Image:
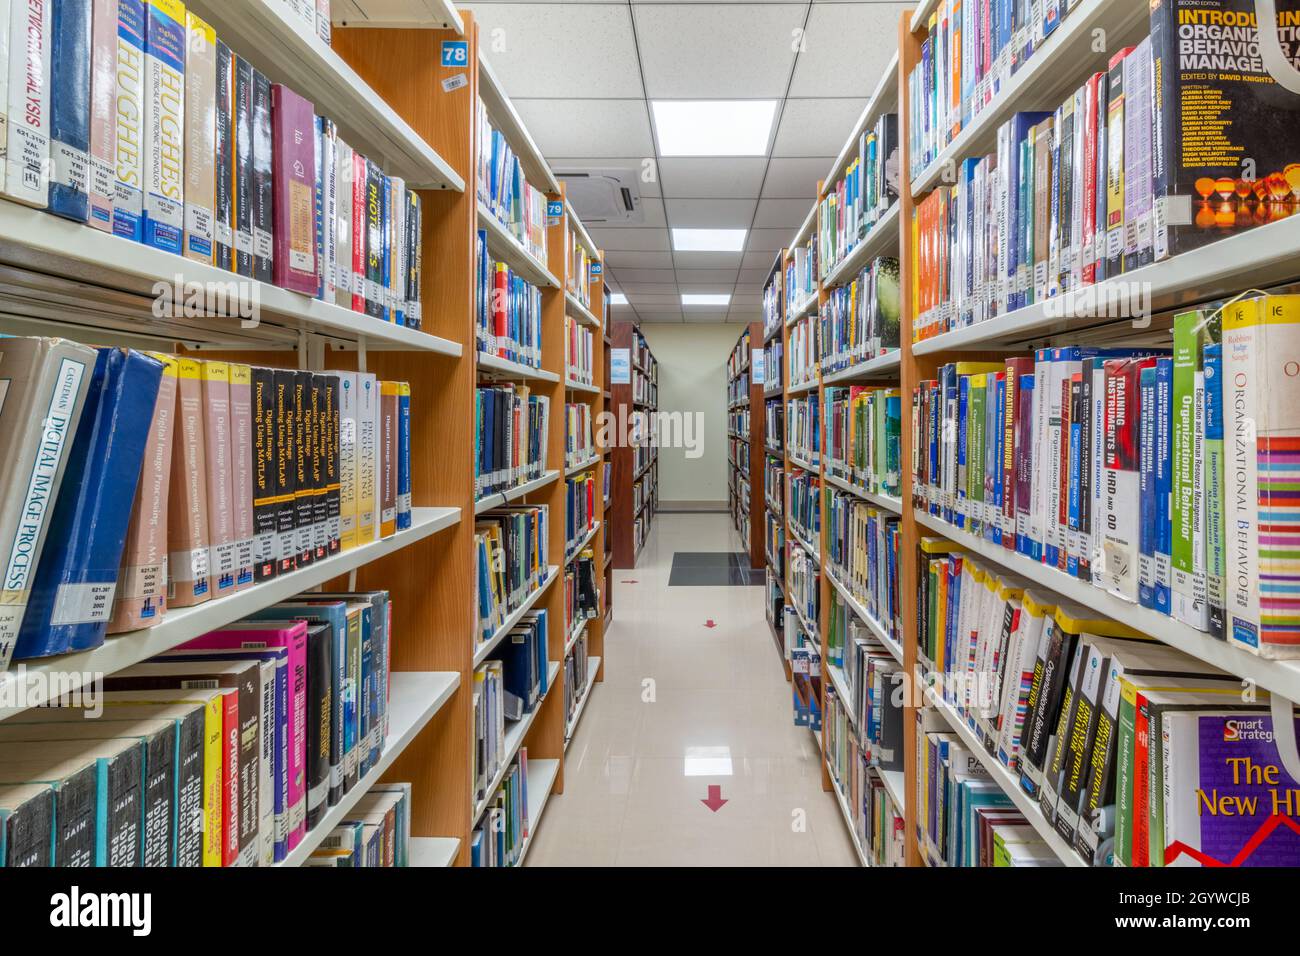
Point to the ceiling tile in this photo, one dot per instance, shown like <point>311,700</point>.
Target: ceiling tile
<point>796,178</point>
<point>864,34</point>
<point>657,301</point>
<point>751,277</point>
<point>816,127</point>
<point>704,318</point>
<point>631,276</point>
<point>591,128</point>
<point>758,261</point>
<point>559,50</point>
<point>714,278</point>
<point>707,260</point>
<point>645,186</point>
<point>693,177</point>
<point>631,240</point>
<point>656,317</point>
<point>717,51</point>
<point>652,216</point>
<point>746,298</point>
<point>768,241</point>
<point>639,260</point>
<point>662,288</point>
<point>710,213</point>
<point>781,213</point>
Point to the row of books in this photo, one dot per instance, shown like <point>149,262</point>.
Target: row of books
<point>805,505</point>
<point>801,276</point>
<point>226,751</point>
<point>507,310</point>
<point>739,359</point>
<point>876,820</point>
<point>576,674</point>
<point>505,191</point>
<point>511,425</point>
<point>646,390</point>
<point>578,446</point>
<point>774,426</point>
<point>499,838</point>
<point>871,676</point>
<point>581,592</point>
<point>963,818</point>
<point>207,158</point>
<point>236,474</point>
<point>803,428</point>
<point>510,548</point>
<point>803,353</point>
<point>1071,704</point>
<point>804,588</point>
<point>806,680</point>
<point>863,427</point>
<point>581,509</point>
<point>774,481</point>
<point>773,311</point>
<point>774,366</point>
<point>1126,470</point>
<point>863,544</point>
<point>738,455</point>
<point>581,271</point>
<point>971,50</point>
<point>508,686</point>
<point>738,422</point>
<point>774,542</point>
<point>859,198</point>
<point>579,352</point>
<point>860,320</point>
<point>1124,173</point>
<point>377,832</point>
<point>737,389</point>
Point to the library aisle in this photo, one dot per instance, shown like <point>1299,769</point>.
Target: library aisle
<point>716,715</point>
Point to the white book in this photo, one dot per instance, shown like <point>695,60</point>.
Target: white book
<point>347,459</point>
<point>164,125</point>
<point>26,144</point>
<point>342,262</point>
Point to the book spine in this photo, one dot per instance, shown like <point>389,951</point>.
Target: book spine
<point>263,212</point>
<point>1146,486</point>
<point>242,482</point>
<point>230,789</point>
<point>188,823</point>
<point>1096,465</point>
<point>304,425</point>
<point>1213,483</point>
<point>224,132</point>
<point>348,452</point>
<point>103,131</point>
<point>1164,483</point>
<point>70,50</point>
<point>1115,166</point>
<point>403,456</point>
<point>265,485</point>
<point>1188,503</point>
<point>333,464</point>
<point>367,458</point>
<point>329,211</point>
<point>200,138</point>
<point>241,148</point>
<point>221,520</point>
<point>388,455</point>
<point>286,549</point>
<point>320,417</point>
<point>27,143</point>
<point>141,596</point>
<point>164,136</point>
<point>375,244</point>
<point>129,126</point>
<point>159,797</point>
<point>1121,528</point>
<point>294,179</point>
<point>1139,116</point>
<point>319,639</point>
<point>1164,134</point>
<point>359,231</point>
<point>343,224</point>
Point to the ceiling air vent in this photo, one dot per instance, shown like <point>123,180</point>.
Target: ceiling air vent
<point>603,195</point>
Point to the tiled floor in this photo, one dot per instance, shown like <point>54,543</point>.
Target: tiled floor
<point>683,707</point>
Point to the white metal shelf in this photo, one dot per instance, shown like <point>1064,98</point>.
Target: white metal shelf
<point>801,308</point>
<point>1008,782</point>
<point>803,463</point>
<point>573,385</point>
<point>495,367</point>
<point>1055,70</point>
<point>66,275</point>
<point>803,388</point>
<point>541,782</point>
<point>1263,256</point>
<point>503,244</point>
<point>582,543</point>
<point>437,852</point>
<point>515,734</point>
<point>398,14</point>
<point>848,821</point>
<point>482,651</point>
<point>578,311</point>
<point>888,502</point>
<point>885,366</point>
<point>875,242</point>
<point>414,697</point>
<point>877,631</point>
<point>593,667</point>
<point>500,498</point>
<point>572,470</point>
<point>183,624</point>
<point>1279,677</point>
<point>266,33</point>
<point>805,228</point>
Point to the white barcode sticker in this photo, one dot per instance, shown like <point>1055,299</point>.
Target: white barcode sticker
<point>82,603</point>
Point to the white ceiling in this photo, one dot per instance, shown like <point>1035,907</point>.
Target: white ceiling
<point>581,75</point>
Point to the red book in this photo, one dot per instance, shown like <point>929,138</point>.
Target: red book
<point>1063,474</point>
<point>293,183</point>
<point>1016,367</point>
<point>1090,121</point>
<point>500,323</point>
<point>360,234</point>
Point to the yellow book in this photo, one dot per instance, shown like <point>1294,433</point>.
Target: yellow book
<point>348,451</point>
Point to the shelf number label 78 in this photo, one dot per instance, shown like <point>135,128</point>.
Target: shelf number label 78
<point>455,53</point>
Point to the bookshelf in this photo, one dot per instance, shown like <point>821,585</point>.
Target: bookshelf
<point>746,440</point>
<point>382,87</point>
<point>606,484</point>
<point>635,496</point>
<point>775,460</point>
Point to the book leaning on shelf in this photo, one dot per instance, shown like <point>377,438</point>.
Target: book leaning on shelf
<point>511,428</point>
<point>860,320</point>
<point>219,165</point>
<point>377,832</point>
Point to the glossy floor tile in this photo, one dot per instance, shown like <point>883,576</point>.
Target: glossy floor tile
<point>694,698</point>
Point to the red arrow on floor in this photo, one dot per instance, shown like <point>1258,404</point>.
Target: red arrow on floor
<point>709,623</point>
<point>715,801</point>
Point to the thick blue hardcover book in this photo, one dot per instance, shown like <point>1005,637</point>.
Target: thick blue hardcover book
<point>72,593</point>
<point>518,661</point>
<point>70,109</point>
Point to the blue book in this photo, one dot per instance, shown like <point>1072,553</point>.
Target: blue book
<point>947,429</point>
<point>1074,484</point>
<point>993,469</point>
<point>165,42</point>
<point>72,591</point>
<point>319,205</point>
<point>70,109</point>
<point>1020,124</point>
<point>1164,481</point>
<point>385,293</point>
<point>1146,487</point>
<point>128,192</point>
<point>963,405</point>
<point>403,456</point>
<point>540,618</point>
<point>518,658</point>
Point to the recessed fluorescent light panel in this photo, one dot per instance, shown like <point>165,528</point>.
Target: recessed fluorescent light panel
<point>713,127</point>
<point>709,240</point>
<point>617,298</point>
<point>706,298</point>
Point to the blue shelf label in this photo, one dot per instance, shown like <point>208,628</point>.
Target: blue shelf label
<point>555,208</point>
<point>455,53</point>
<point>597,268</point>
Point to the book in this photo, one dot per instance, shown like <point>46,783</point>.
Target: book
<point>293,186</point>
<point>47,385</point>
<point>344,170</point>
<point>1188,492</point>
<point>241,159</point>
<point>188,557</point>
<point>165,44</point>
<point>218,455</point>
<point>140,599</point>
<point>129,155</point>
<point>200,138</point>
<point>102,147</point>
<point>304,489</point>
<point>26,146</point>
<point>224,132</point>
<point>27,825</point>
<point>242,451</point>
<point>367,457</point>
<point>266,486</point>
<point>262,217</point>
<point>72,589</point>
<point>69,103</point>
<point>286,513</point>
